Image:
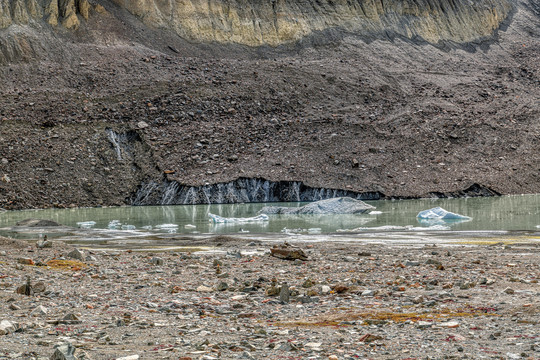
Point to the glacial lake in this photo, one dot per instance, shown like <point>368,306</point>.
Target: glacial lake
<point>491,216</point>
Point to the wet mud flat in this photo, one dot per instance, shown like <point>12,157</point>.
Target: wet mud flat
<point>346,301</point>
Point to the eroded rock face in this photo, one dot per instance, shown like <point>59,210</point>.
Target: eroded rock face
<point>54,12</point>
<point>275,22</point>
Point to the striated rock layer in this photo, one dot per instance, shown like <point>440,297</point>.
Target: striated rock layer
<point>275,22</point>
<point>54,12</point>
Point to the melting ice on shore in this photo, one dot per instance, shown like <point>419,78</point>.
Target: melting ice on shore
<point>438,215</point>
<point>216,219</point>
<point>86,224</point>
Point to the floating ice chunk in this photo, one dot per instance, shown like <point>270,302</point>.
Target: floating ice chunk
<point>86,224</point>
<point>166,226</point>
<point>189,226</point>
<point>439,216</point>
<point>376,212</point>
<point>147,227</point>
<point>538,226</point>
<point>114,224</point>
<point>314,230</point>
<point>440,213</point>
<point>216,219</point>
<point>128,227</point>
<point>342,205</point>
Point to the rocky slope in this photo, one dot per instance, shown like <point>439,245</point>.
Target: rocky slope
<point>366,111</point>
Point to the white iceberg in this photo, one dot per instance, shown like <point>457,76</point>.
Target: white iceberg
<point>128,227</point>
<point>439,216</point>
<point>114,224</point>
<point>86,224</point>
<point>216,219</point>
<point>166,226</point>
<point>342,205</point>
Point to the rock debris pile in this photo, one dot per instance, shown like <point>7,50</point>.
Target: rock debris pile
<point>346,301</point>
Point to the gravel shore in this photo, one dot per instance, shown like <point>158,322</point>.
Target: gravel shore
<point>347,301</point>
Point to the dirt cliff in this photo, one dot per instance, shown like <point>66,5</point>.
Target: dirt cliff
<point>416,98</point>
<point>275,22</point>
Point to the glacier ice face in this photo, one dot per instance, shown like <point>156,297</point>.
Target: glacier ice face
<point>216,219</point>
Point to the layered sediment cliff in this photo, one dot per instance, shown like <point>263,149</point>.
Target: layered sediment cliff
<point>66,13</point>
<point>273,22</point>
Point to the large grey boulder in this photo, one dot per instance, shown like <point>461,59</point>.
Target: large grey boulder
<point>342,205</point>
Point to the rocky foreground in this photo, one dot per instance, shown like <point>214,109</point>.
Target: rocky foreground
<point>346,301</point>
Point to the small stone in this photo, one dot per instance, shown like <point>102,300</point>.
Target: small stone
<point>412,263</point>
<point>203,288</point>
<point>449,324</point>
<point>142,125</point>
<point>64,352</point>
<point>25,261</point>
<point>70,319</point>
<point>157,261</point>
<point>307,284</point>
<point>222,286</point>
<point>355,163</point>
<point>369,338</point>
<point>39,287</point>
<point>130,357</point>
<point>284,293</point>
<point>424,324</point>
<point>76,254</point>
<point>7,327</point>
<point>272,290</point>
<point>288,252</point>
<point>509,291</point>
<point>325,289</point>
<point>333,357</point>
<point>39,311</point>
<point>340,289</point>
